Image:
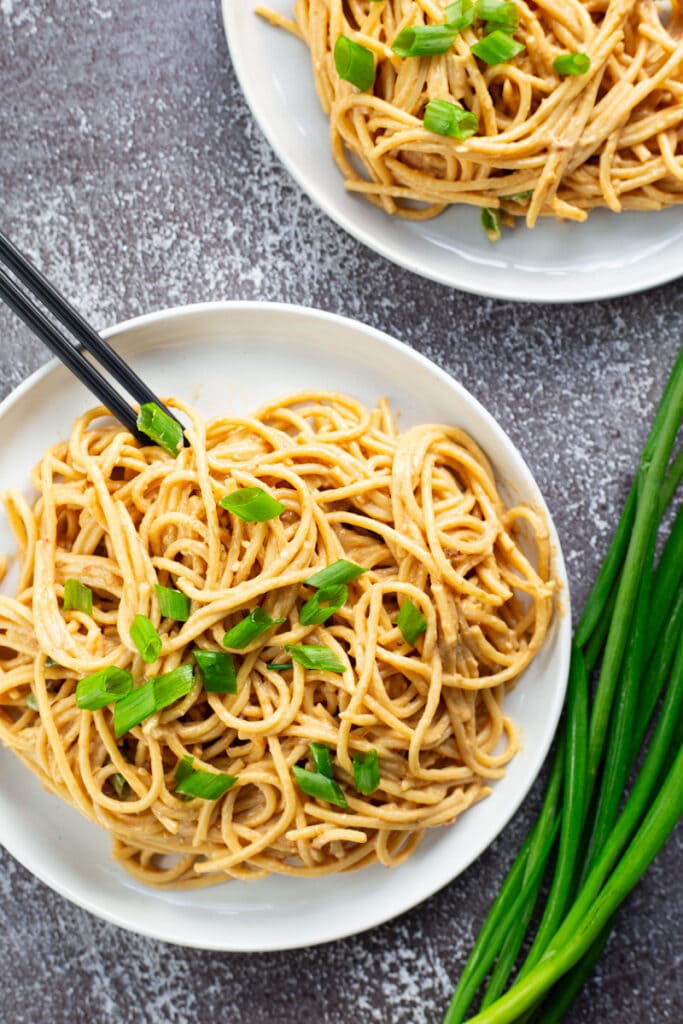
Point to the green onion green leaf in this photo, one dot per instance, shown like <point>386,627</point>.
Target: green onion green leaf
<point>77,597</point>
<point>490,221</point>
<point>424,40</point>
<point>499,15</point>
<point>316,656</point>
<point>518,197</point>
<point>252,504</point>
<point>366,772</point>
<point>31,701</point>
<point>319,786</point>
<point>217,670</point>
<point>572,64</point>
<point>411,622</point>
<point>154,695</point>
<point>354,63</point>
<point>200,784</point>
<point>276,666</point>
<point>254,625</point>
<point>160,428</point>
<point>146,639</point>
<point>333,575</point>
<point>445,118</point>
<point>322,760</point>
<point>173,604</point>
<point>119,783</point>
<point>324,603</point>
<point>460,15</point>
<point>497,48</point>
<point>102,688</point>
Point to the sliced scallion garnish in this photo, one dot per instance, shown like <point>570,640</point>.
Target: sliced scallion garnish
<point>119,783</point>
<point>105,687</point>
<point>460,15</point>
<point>445,118</point>
<point>497,48</point>
<point>173,604</point>
<point>252,626</point>
<point>31,701</point>
<point>160,428</point>
<point>320,755</point>
<point>277,666</point>
<point>217,670</point>
<point>354,63</point>
<point>316,656</point>
<point>324,603</point>
<point>154,695</point>
<point>498,14</point>
<point>252,505</point>
<point>200,784</point>
<point>518,197</point>
<point>424,40</point>
<point>572,64</point>
<point>411,622</point>
<point>333,575</point>
<point>366,772</point>
<point>146,639</point>
<point>77,597</point>
<point>319,786</point>
<point>490,221</point>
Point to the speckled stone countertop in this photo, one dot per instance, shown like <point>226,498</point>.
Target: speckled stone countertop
<point>132,171</point>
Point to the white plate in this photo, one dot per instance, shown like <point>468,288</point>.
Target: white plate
<point>234,356</point>
<point>609,255</point>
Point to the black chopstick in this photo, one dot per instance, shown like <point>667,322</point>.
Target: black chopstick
<point>85,337</point>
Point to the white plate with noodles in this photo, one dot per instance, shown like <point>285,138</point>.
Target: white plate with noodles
<point>558,261</point>
<point>119,518</point>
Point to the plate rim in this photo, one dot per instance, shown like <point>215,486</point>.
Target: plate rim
<point>107,911</point>
<point>511,293</point>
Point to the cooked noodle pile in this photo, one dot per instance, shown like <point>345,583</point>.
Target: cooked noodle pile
<point>419,509</point>
<point>612,137</point>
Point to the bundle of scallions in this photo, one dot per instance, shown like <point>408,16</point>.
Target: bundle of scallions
<point>615,789</point>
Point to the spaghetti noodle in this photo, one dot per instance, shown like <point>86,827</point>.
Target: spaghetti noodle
<point>546,145</point>
<point>419,511</point>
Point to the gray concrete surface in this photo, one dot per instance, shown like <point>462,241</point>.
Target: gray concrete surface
<point>133,172</point>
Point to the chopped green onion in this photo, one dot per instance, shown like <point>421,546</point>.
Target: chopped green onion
<point>201,784</point>
<point>460,15</point>
<point>339,572</point>
<point>154,695</point>
<point>173,603</point>
<point>499,14</point>
<point>490,221</point>
<point>252,504</point>
<point>146,639</point>
<point>184,768</point>
<point>217,670</point>
<point>160,428</point>
<point>354,63</point>
<point>134,708</point>
<point>411,622</point>
<point>324,603</point>
<point>445,118</point>
<point>497,48</point>
<point>77,597</point>
<point>254,625</point>
<point>424,40</point>
<point>276,666</point>
<point>319,786</point>
<point>104,687</point>
<point>316,656</point>
<point>572,64</point>
<point>322,759</point>
<point>31,701</point>
<point>119,783</point>
<point>366,772</point>
<point>518,197</point>
<point>172,686</point>
<point>51,663</point>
